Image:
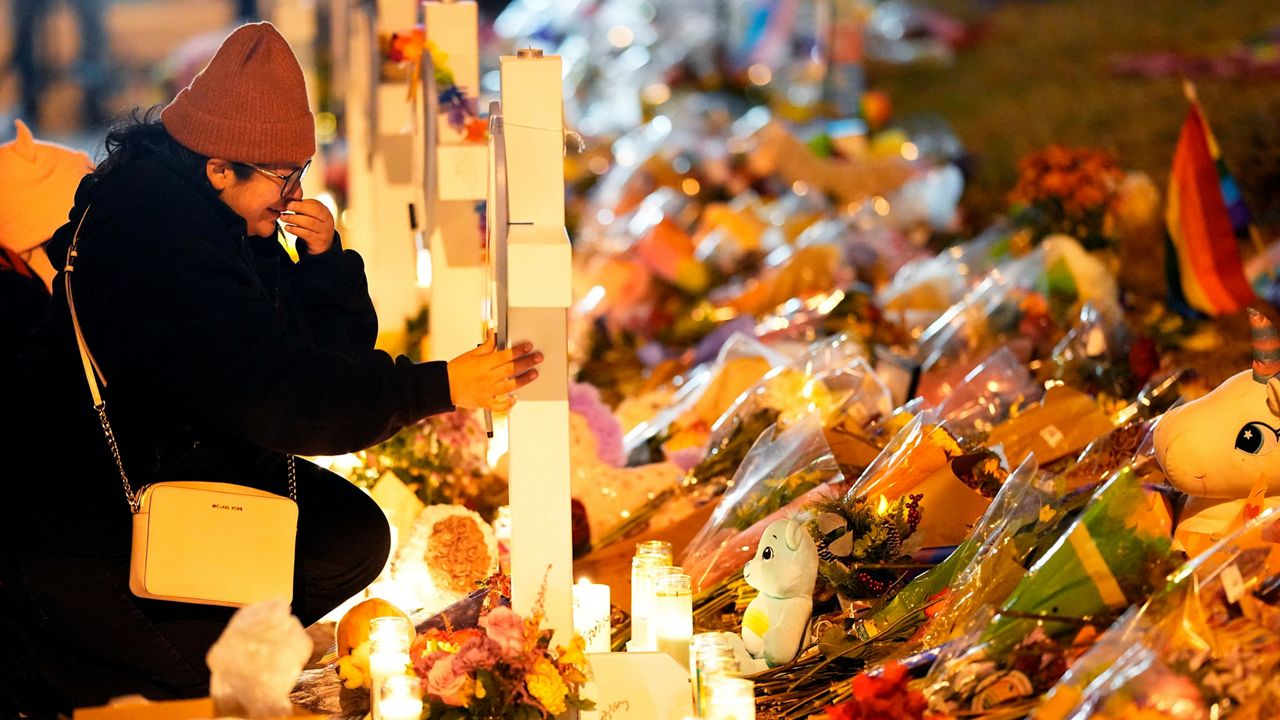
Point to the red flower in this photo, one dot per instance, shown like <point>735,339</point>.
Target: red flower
<point>882,697</point>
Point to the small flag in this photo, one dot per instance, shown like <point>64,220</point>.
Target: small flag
<point>1205,214</point>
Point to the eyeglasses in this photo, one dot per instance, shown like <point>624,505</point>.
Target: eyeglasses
<point>292,181</point>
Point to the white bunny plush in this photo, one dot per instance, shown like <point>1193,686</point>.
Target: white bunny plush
<point>1219,448</point>
<point>784,570</point>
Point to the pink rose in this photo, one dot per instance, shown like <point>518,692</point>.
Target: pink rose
<point>446,683</point>
<point>505,628</point>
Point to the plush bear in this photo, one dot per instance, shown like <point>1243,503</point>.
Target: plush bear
<point>784,570</point>
<point>1218,448</point>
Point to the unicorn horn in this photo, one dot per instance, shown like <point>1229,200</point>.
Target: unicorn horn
<point>25,144</point>
<point>1266,346</point>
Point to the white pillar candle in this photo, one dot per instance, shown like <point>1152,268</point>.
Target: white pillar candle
<point>591,615</point>
<point>673,615</point>
<point>730,698</point>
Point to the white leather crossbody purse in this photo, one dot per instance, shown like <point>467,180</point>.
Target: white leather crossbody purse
<point>208,543</point>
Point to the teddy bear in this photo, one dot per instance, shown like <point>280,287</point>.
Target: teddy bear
<point>1218,448</point>
<point>784,570</point>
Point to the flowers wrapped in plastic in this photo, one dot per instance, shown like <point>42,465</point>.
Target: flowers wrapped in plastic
<point>788,461</point>
<point>705,394</point>
<point>925,489</point>
<point>1116,553</point>
<point>829,377</point>
<point>924,288</point>
<point>1026,304</point>
<point>982,570</point>
<point>1206,646</point>
<point>783,466</point>
<point>927,461</point>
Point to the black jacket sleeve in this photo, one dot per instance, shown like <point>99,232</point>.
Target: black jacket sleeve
<point>333,294</point>
<point>173,313</point>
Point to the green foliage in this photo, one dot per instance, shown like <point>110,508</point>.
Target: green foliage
<point>773,494</point>
<point>722,461</point>
<point>878,540</point>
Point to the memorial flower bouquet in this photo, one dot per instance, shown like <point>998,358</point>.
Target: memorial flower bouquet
<point>1068,190</point>
<point>504,668</point>
<point>443,459</point>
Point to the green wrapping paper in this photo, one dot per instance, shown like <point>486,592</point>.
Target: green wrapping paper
<point>1113,555</point>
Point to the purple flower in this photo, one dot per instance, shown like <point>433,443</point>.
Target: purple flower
<point>477,653</point>
<point>585,400</point>
<point>424,663</point>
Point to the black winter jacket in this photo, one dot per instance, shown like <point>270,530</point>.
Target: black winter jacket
<point>220,356</point>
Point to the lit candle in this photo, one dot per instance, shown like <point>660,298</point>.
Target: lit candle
<point>389,640</point>
<point>591,615</point>
<point>730,698</point>
<point>401,698</point>
<point>642,567</point>
<point>660,548</point>
<point>673,615</point>
<point>709,653</point>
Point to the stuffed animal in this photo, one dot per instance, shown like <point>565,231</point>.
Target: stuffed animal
<point>784,570</point>
<point>40,180</point>
<point>1218,448</point>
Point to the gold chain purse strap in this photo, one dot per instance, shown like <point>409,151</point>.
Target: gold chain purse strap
<point>93,374</point>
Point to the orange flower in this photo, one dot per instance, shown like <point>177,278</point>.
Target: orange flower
<point>457,555</point>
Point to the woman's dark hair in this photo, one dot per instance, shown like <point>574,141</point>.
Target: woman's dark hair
<point>141,134</point>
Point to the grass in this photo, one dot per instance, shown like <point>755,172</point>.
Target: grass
<point>1040,74</point>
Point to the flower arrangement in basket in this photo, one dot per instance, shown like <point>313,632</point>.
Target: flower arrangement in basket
<point>505,668</point>
<point>1068,190</point>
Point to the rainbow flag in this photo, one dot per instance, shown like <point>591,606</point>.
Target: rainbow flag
<point>1205,214</point>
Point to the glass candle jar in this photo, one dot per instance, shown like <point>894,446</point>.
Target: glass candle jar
<point>400,698</point>
<point>673,615</point>
<point>730,698</point>
<point>642,570</point>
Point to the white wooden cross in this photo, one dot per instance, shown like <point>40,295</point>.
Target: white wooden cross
<point>531,281</point>
<point>380,174</point>
<point>455,174</point>
<point>532,259</point>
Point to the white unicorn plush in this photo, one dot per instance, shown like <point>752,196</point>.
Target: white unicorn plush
<point>1218,448</point>
<point>784,570</point>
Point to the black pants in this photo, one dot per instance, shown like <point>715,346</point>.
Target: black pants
<point>74,636</point>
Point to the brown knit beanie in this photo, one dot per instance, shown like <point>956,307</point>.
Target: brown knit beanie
<point>249,104</point>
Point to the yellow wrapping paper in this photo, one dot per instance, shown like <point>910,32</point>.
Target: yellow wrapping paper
<point>1061,424</point>
<point>948,509</point>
